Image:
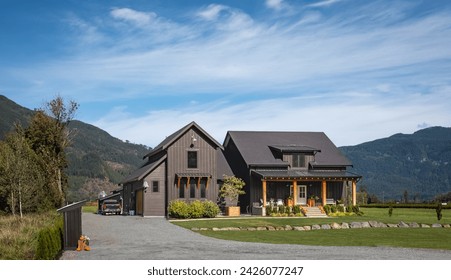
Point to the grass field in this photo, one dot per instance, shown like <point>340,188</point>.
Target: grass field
<point>391,237</point>
<point>18,237</point>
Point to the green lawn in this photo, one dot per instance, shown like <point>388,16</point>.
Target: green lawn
<point>392,237</point>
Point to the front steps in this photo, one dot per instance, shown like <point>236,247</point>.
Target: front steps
<point>314,212</point>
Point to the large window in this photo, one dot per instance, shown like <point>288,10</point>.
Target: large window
<point>182,189</point>
<point>203,188</point>
<point>192,159</point>
<point>192,189</point>
<point>298,160</point>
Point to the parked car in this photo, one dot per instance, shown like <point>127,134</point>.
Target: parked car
<point>111,206</point>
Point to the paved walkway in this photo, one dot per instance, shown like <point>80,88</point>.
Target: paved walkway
<point>137,238</point>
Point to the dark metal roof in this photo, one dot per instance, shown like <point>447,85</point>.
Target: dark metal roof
<point>176,135</point>
<point>110,196</point>
<point>306,175</point>
<point>143,171</point>
<point>254,146</point>
<point>72,206</point>
<point>294,149</point>
<point>193,174</point>
<point>222,166</point>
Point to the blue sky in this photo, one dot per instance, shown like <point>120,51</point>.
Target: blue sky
<point>357,70</point>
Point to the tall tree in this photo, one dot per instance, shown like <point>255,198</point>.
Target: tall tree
<point>49,136</point>
<point>21,178</point>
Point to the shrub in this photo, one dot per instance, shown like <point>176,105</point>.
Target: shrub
<point>341,208</point>
<point>179,209</point>
<point>327,209</point>
<point>439,211</point>
<point>390,210</point>
<point>333,208</point>
<point>196,209</point>
<point>296,209</point>
<point>281,209</point>
<point>50,240</point>
<point>211,210</point>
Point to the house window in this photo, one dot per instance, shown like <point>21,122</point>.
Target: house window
<point>182,189</point>
<point>203,188</point>
<point>192,189</point>
<point>298,160</point>
<point>155,186</point>
<point>192,159</point>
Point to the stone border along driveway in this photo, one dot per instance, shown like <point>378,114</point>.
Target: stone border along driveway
<point>370,224</point>
<point>137,238</point>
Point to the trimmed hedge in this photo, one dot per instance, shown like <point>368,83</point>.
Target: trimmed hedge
<point>180,209</point>
<point>50,241</point>
<point>405,205</point>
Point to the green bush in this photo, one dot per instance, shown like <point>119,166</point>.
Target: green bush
<point>50,241</point>
<point>211,209</point>
<point>196,209</point>
<point>296,209</point>
<point>179,209</point>
<point>327,209</point>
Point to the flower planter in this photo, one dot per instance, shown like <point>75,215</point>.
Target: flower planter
<point>311,202</point>
<point>290,202</point>
<point>232,211</point>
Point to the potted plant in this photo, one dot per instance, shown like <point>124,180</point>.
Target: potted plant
<point>290,201</point>
<point>231,189</point>
<point>312,200</point>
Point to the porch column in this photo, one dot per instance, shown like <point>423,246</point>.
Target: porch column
<point>354,192</point>
<point>264,198</point>
<point>324,192</point>
<point>295,192</point>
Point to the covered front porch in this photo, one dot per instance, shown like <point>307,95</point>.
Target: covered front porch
<point>304,188</point>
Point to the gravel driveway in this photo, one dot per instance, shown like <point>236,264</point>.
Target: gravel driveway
<point>137,238</point>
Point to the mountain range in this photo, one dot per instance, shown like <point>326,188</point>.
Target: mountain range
<point>415,165</point>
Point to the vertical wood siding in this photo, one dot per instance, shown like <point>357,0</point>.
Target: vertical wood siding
<point>154,202</point>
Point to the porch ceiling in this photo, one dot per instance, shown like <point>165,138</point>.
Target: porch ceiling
<point>306,175</point>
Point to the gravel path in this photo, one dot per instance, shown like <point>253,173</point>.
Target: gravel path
<point>137,238</point>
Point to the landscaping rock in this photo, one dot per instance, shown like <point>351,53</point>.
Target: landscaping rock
<point>288,227</point>
<point>344,225</point>
<point>374,224</point>
<point>403,225</point>
<point>271,228</point>
<point>203,228</point>
<point>307,227</point>
<point>382,225</point>
<point>392,225</point>
<point>335,226</point>
<point>215,229</point>
<point>446,226</point>
<point>195,229</point>
<point>280,228</point>
<point>366,225</point>
<point>326,226</point>
<point>261,228</point>
<point>436,225</point>
<point>299,228</point>
<point>316,227</point>
<point>356,225</point>
<point>425,226</point>
<point>414,225</point>
<point>251,229</point>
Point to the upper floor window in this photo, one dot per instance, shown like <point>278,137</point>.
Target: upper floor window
<point>192,159</point>
<point>299,161</point>
<point>155,186</point>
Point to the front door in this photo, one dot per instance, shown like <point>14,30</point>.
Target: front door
<point>302,199</point>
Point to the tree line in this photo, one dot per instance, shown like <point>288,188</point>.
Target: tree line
<point>33,160</point>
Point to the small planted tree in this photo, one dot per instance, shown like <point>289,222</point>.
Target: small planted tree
<point>390,210</point>
<point>439,211</point>
<point>231,189</point>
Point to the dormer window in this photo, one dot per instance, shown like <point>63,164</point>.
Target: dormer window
<point>299,161</point>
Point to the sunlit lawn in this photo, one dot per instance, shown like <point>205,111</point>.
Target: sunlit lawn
<point>393,237</point>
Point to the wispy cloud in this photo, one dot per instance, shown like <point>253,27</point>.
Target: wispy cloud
<point>325,3</point>
<point>274,4</point>
<point>133,16</point>
<point>212,11</point>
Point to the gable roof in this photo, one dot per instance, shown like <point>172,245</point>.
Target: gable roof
<point>143,171</point>
<point>255,147</point>
<point>176,135</point>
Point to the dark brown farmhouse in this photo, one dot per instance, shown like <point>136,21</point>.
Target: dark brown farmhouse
<point>296,165</point>
<point>190,165</point>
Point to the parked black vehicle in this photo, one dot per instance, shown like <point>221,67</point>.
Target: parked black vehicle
<point>111,206</point>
